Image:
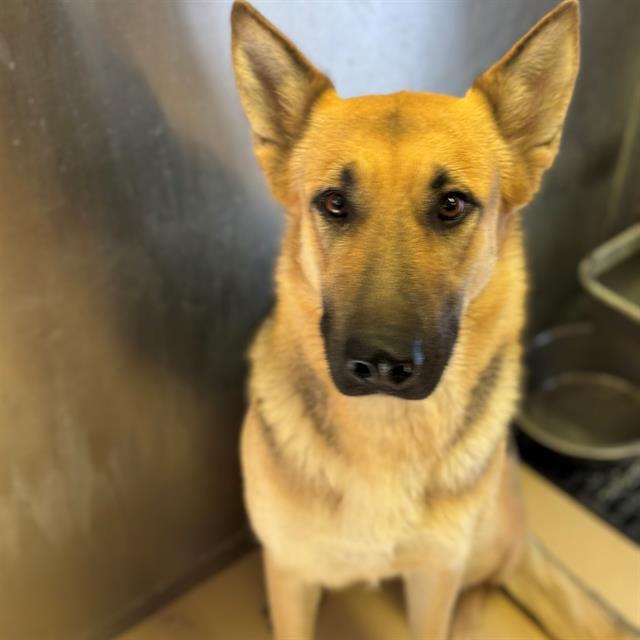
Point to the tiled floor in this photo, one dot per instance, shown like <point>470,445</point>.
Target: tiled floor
<point>229,605</point>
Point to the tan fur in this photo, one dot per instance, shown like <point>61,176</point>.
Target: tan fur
<point>339,488</point>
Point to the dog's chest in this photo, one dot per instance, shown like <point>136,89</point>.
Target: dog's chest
<point>380,529</point>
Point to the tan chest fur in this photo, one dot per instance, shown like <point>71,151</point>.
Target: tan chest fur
<point>366,531</point>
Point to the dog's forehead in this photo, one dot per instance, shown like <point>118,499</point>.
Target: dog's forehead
<point>404,133</point>
<point>404,111</point>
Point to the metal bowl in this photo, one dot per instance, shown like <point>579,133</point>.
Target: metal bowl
<point>577,403</point>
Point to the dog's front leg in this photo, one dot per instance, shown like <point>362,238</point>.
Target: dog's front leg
<point>431,596</point>
<point>293,604</point>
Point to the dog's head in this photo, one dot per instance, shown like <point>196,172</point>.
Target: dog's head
<point>398,201</point>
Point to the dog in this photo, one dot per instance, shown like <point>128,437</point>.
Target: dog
<point>383,382</point>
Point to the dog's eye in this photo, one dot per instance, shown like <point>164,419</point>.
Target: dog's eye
<point>452,207</point>
<point>334,204</point>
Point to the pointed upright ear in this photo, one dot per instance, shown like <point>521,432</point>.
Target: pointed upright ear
<point>530,88</point>
<point>278,88</point>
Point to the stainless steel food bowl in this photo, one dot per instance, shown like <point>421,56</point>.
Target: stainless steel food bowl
<point>577,403</point>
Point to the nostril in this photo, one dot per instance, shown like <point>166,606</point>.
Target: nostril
<point>398,374</point>
<point>361,369</point>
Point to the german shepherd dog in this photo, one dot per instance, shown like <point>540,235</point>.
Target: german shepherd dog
<point>384,380</point>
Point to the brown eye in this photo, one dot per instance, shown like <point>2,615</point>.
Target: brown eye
<point>452,207</point>
<point>335,204</point>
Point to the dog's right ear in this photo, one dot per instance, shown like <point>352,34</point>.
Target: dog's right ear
<point>278,88</point>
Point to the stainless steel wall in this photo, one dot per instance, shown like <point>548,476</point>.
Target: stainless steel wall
<point>136,243</point>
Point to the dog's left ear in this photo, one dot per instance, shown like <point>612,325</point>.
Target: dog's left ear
<point>530,88</point>
<point>278,88</point>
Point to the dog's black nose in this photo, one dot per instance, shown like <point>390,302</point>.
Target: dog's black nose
<point>375,369</point>
<point>400,356</point>
<point>383,372</point>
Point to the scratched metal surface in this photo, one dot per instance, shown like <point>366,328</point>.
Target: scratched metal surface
<point>136,243</point>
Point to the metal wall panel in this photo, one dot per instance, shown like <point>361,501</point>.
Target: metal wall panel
<point>136,244</point>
